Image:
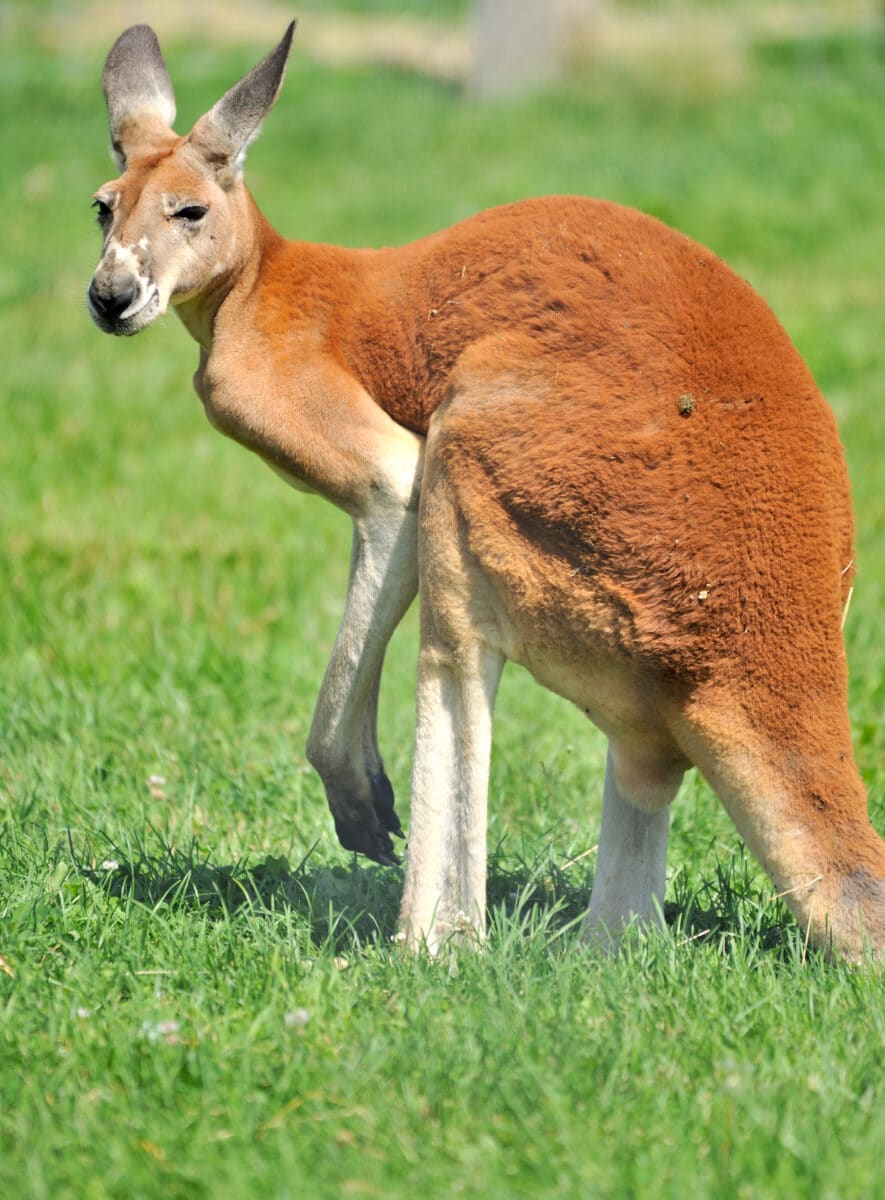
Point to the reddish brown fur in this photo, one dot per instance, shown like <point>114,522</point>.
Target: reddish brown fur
<point>746,494</point>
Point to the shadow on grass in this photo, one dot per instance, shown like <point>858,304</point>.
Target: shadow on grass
<point>346,905</point>
<point>340,904</point>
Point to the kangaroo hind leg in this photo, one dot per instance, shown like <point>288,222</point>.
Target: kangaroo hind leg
<point>459,668</point>
<point>631,861</point>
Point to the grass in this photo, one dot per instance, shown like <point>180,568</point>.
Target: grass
<point>221,1013</point>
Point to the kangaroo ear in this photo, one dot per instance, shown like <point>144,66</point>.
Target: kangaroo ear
<point>224,133</point>
<point>138,91</point>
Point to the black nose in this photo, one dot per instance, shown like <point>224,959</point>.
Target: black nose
<point>111,304</point>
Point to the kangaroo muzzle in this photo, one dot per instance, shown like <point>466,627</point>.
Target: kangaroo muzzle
<point>122,297</point>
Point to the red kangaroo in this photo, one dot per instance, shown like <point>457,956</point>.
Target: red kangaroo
<point>591,448</point>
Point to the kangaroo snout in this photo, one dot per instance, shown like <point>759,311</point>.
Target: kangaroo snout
<point>122,303</point>
<point>109,302</point>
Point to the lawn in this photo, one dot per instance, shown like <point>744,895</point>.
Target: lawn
<point>198,994</point>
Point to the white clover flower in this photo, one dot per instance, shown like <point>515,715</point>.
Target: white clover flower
<point>167,1030</point>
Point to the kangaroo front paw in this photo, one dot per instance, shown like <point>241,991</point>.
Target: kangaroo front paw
<point>382,801</point>
<point>359,829</point>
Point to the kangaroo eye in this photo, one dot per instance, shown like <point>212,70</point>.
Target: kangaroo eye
<point>191,212</point>
<point>102,211</point>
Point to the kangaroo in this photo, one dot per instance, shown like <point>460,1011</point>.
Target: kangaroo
<point>591,449</point>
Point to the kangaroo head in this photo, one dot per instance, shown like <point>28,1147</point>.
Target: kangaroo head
<point>172,220</point>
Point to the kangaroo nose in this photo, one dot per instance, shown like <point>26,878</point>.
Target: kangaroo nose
<point>112,304</point>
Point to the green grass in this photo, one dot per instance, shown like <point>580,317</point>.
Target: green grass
<point>222,1013</point>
